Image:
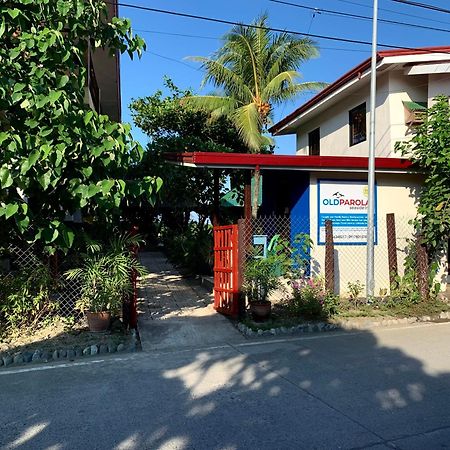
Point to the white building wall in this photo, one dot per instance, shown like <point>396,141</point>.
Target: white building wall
<point>439,84</point>
<point>396,193</point>
<point>393,88</point>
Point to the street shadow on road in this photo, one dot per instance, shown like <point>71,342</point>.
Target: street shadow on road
<point>355,389</point>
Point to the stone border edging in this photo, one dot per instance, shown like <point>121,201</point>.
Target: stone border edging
<point>344,324</point>
<point>69,353</point>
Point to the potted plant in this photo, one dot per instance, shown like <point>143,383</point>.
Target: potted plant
<point>261,277</point>
<point>105,279</point>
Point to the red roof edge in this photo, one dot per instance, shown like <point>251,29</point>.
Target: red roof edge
<point>250,161</point>
<point>351,74</point>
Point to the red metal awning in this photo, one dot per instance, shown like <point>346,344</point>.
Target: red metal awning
<point>298,162</point>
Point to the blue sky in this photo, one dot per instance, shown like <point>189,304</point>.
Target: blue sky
<point>167,50</point>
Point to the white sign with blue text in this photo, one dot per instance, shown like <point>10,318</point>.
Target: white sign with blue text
<point>345,204</point>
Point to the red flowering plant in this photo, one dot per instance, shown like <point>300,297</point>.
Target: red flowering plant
<point>311,299</point>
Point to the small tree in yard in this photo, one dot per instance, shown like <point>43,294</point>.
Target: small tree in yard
<point>174,126</point>
<point>57,156</point>
<point>429,150</point>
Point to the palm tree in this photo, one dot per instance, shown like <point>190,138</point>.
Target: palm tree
<point>255,69</point>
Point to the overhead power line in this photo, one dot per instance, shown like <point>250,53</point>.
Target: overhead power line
<point>400,13</point>
<point>358,16</point>
<point>277,30</point>
<point>423,6</point>
<point>197,36</point>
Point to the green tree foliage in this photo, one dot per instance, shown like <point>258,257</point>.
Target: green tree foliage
<point>174,126</point>
<point>429,149</point>
<point>58,156</point>
<point>255,70</point>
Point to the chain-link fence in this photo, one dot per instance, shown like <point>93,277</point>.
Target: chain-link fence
<point>26,259</point>
<point>301,247</point>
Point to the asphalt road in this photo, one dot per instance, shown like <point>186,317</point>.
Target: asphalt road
<point>388,388</point>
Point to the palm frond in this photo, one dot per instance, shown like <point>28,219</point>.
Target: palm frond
<point>282,81</point>
<point>248,123</point>
<point>215,105</point>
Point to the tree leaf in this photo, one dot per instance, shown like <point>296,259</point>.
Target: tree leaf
<point>11,209</point>
<point>6,179</point>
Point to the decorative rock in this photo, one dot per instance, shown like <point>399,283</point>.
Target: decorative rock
<point>55,354</point>
<point>36,356</point>
<point>266,333</point>
<point>78,352</point>
<point>87,351</point>
<point>425,319</point>
<point>120,348</point>
<point>260,332</point>
<point>63,353</point>
<point>27,357</point>
<point>18,359</point>
<point>273,331</point>
<point>103,348</point>
<point>94,349</point>
<point>112,348</point>
<point>71,354</point>
<point>7,360</point>
<point>45,356</point>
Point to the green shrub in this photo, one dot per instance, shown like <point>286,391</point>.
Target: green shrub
<point>105,275</point>
<point>191,249</point>
<point>262,276</point>
<point>311,300</point>
<point>25,296</point>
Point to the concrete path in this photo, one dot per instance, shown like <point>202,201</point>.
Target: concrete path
<point>384,389</point>
<point>175,312</point>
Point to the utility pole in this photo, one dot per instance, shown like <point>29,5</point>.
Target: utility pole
<point>370,270</point>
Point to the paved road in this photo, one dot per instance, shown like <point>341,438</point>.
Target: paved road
<point>389,388</point>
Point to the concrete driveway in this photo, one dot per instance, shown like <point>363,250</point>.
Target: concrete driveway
<point>389,388</point>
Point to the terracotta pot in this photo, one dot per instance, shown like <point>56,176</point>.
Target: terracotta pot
<point>98,321</point>
<point>260,310</point>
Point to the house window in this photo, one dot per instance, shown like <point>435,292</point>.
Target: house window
<point>314,142</point>
<point>357,122</point>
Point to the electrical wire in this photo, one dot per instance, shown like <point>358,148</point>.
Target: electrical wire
<point>277,30</point>
<point>423,6</point>
<point>394,12</point>
<point>197,36</point>
<point>358,16</point>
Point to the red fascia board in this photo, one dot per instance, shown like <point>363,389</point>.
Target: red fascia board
<point>245,160</point>
<point>350,75</point>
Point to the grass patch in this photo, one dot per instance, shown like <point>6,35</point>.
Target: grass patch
<point>282,316</point>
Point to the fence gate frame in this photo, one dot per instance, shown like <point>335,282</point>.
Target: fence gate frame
<point>227,282</point>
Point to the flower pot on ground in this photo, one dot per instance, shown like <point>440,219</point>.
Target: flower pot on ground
<point>98,321</point>
<point>105,280</point>
<point>261,277</point>
<point>260,310</point>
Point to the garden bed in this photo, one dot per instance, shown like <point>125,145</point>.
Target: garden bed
<point>363,316</point>
<point>59,340</point>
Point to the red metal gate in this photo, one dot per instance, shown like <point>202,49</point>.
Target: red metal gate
<point>226,270</point>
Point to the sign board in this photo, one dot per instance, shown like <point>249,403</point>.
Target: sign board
<point>344,202</point>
